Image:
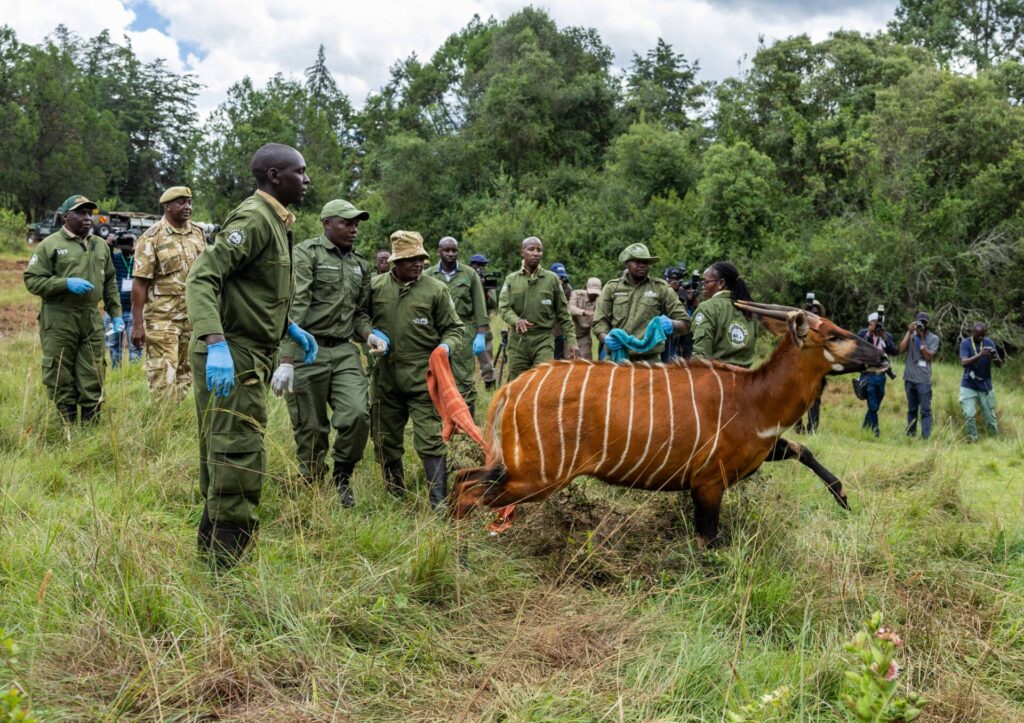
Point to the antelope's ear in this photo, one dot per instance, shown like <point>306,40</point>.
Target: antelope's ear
<point>777,327</point>
<point>798,327</point>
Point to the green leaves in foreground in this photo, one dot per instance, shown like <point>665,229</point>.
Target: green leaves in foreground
<point>874,677</point>
<point>12,700</point>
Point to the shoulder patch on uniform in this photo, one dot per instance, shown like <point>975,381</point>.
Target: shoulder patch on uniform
<point>650,293</point>
<point>737,333</point>
<point>698,318</point>
<point>546,302</point>
<point>236,237</point>
<point>33,259</point>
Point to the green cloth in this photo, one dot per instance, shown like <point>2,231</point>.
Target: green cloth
<point>631,307</point>
<point>416,317</point>
<point>539,299</point>
<point>70,325</point>
<point>467,293</point>
<point>242,286</point>
<point>332,294</point>
<point>722,332</point>
<point>335,381</point>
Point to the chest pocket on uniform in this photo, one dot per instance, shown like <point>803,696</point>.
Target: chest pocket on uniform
<point>168,257</point>
<point>326,282</point>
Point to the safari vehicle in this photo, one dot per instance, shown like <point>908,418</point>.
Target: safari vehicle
<point>104,223</point>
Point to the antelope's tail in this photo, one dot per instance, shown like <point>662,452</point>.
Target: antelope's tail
<point>494,457</point>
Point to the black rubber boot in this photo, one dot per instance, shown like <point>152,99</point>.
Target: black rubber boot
<point>437,480</point>
<point>68,413</point>
<point>205,534</point>
<point>228,543</point>
<point>394,478</point>
<point>91,414</point>
<point>342,479</point>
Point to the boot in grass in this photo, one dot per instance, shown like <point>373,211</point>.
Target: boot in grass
<point>343,481</point>
<point>437,480</point>
<point>68,413</point>
<point>394,478</point>
<point>91,415</point>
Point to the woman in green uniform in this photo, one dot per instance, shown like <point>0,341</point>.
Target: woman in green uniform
<point>720,330</point>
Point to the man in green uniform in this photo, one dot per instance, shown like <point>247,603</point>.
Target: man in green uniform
<point>238,296</point>
<point>720,330</point>
<point>332,293</point>
<point>531,302</point>
<point>165,254</point>
<point>413,314</point>
<point>632,300</point>
<point>467,291</point>
<point>72,271</point>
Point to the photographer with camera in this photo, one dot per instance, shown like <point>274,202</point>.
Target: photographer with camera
<point>813,306</point>
<point>873,384</point>
<point>977,355</point>
<point>123,255</point>
<point>920,345</point>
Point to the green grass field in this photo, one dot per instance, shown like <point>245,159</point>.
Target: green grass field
<point>597,606</point>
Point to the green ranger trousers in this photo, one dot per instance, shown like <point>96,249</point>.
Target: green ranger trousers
<point>391,408</point>
<point>463,364</point>
<point>336,380</point>
<point>232,460</point>
<point>526,351</point>
<point>73,354</point>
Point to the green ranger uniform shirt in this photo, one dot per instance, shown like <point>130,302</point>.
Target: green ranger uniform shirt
<point>62,255</point>
<point>332,293</point>
<point>467,293</point>
<point>242,285</point>
<point>416,318</point>
<point>631,307</point>
<point>539,299</point>
<point>722,332</point>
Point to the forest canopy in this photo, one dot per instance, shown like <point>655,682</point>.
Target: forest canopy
<point>869,169</point>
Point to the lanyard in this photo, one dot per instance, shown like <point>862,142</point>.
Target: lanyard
<point>130,263</point>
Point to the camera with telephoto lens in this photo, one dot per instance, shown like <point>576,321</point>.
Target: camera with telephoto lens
<point>880,324</point>
<point>124,240</point>
<point>490,279</point>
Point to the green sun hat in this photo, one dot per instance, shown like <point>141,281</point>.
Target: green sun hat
<point>342,209</point>
<point>74,202</point>
<point>636,252</point>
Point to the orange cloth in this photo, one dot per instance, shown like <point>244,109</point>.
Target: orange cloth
<point>455,417</point>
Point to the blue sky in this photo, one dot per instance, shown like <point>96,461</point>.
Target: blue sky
<point>222,41</point>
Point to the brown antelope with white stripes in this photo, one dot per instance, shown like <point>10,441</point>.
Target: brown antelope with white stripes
<point>700,426</point>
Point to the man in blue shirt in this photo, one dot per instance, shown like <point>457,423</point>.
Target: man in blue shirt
<point>977,354</point>
<point>123,256</point>
<point>920,345</point>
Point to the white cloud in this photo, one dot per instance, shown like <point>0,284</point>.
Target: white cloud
<point>235,38</point>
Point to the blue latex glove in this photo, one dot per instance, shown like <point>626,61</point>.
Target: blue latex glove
<point>612,344</point>
<point>304,339</point>
<point>79,286</point>
<point>220,369</point>
<point>666,324</point>
<point>118,324</point>
<point>479,343</point>
<point>383,336</point>
<point>447,349</point>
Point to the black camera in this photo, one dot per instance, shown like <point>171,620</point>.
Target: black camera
<point>881,316</point>
<point>124,240</point>
<point>490,279</point>
<point>919,325</point>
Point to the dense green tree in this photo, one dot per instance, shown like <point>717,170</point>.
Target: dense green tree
<point>978,32</point>
<point>662,86</point>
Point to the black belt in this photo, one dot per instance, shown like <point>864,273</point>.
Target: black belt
<point>328,341</point>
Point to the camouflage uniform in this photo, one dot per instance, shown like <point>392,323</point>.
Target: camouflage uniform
<point>164,255</point>
<point>582,309</point>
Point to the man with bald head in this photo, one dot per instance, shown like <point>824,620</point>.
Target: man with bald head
<point>238,297</point>
<point>531,303</point>
<point>467,291</point>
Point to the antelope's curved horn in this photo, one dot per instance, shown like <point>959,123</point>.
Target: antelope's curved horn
<point>773,307</point>
<point>781,312</point>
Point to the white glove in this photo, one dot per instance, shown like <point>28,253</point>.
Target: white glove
<point>376,344</point>
<point>283,380</point>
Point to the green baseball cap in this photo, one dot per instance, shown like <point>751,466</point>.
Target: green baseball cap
<point>636,252</point>
<point>342,209</point>
<point>73,202</point>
